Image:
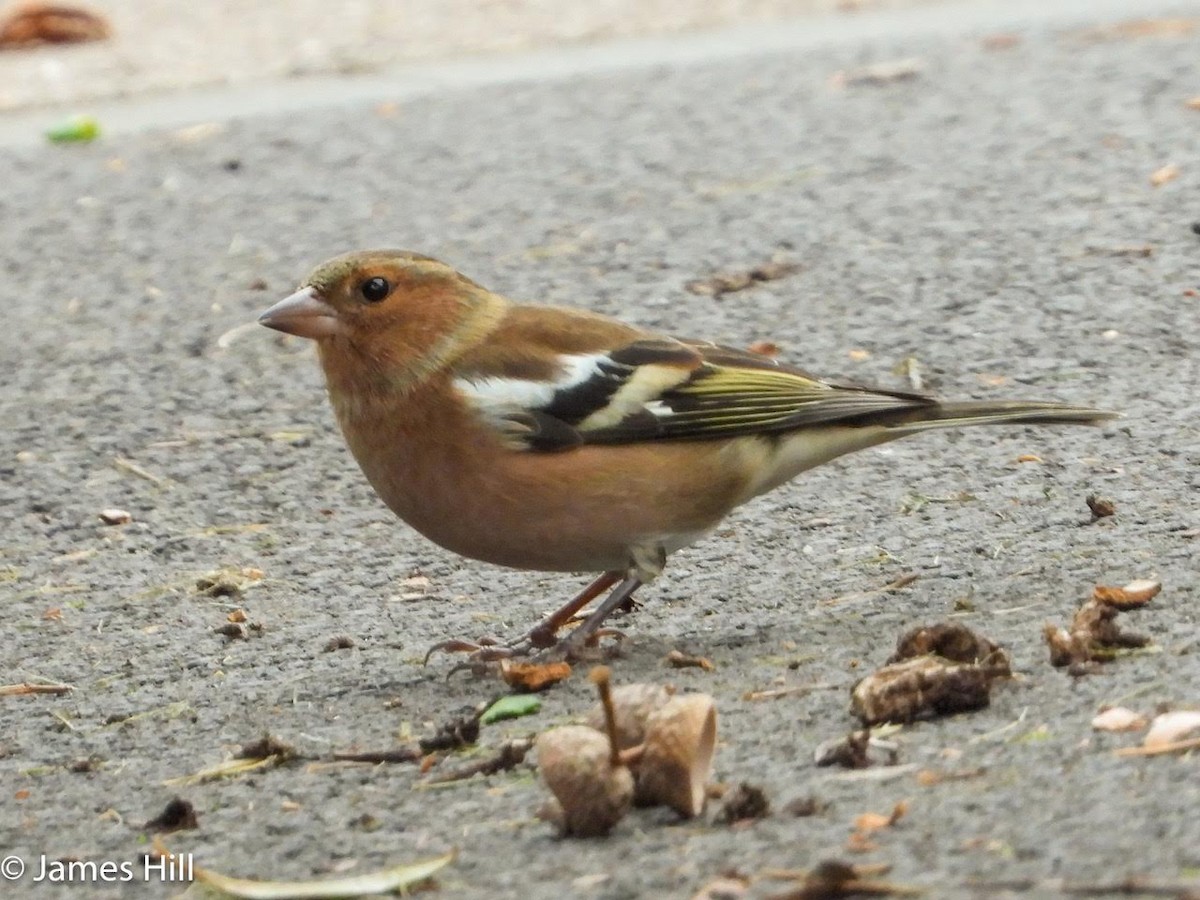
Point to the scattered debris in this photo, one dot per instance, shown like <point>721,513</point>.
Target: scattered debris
<point>1118,718</point>
<point>833,879</point>
<point>51,23</point>
<point>872,821</point>
<point>1171,728</point>
<point>236,615</point>
<point>952,641</point>
<point>115,516</point>
<point>510,755</point>
<point>902,582</point>
<point>338,642</point>
<point>790,691</point>
<point>1094,635</point>
<point>849,752</point>
<point>1131,596</point>
<point>264,753</point>
<point>28,687</point>
<point>765,348</point>
<point>267,747</point>
<point>1101,507</point>
<point>1161,176</point>
<point>85,764</point>
<point>878,73</point>
<point>511,707</point>
<point>128,465</point>
<point>1001,41</point>
<point>904,691</point>
<point>940,669</point>
<point>74,130</point>
<point>233,630</point>
<point>725,887</point>
<point>533,677</point>
<point>1140,28</point>
<point>802,807</point>
<point>179,815</point>
<point>405,754</point>
<point>730,282</point>
<point>679,660</point>
<point>743,803</point>
<point>930,777</point>
<point>230,581</point>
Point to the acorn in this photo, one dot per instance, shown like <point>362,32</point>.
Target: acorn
<point>592,786</point>
<point>632,705</point>
<point>676,758</point>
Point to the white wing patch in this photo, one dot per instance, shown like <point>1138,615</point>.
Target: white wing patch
<point>498,396</point>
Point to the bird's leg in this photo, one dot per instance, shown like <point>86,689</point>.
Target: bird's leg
<point>570,646</point>
<point>545,632</point>
<point>542,635</point>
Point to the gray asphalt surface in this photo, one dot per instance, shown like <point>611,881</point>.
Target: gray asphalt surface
<point>978,217</point>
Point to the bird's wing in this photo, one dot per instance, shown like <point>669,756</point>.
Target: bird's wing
<point>661,389</point>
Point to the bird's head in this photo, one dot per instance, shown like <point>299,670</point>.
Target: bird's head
<point>388,314</point>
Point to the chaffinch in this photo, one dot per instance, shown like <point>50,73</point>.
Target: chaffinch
<point>546,438</point>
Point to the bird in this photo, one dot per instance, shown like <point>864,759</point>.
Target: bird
<point>556,439</point>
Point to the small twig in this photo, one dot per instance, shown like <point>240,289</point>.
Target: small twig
<point>1127,887</point>
<point>1173,747</point>
<point>27,687</point>
<point>397,755</point>
<point>776,693</point>
<point>902,582</point>
<point>128,465</point>
<point>510,755</point>
<point>601,677</point>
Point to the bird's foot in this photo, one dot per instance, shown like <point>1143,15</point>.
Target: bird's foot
<point>484,650</point>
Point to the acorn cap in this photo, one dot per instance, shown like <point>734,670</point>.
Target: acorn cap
<point>576,764</point>
<point>633,704</point>
<point>681,738</point>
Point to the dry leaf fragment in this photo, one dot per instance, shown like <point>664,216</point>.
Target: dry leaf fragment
<point>1193,103</point>
<point>51,23</point>
<point>532,677</point>
<point>849,752</point>
<point>833,880</point>
<point>1118,718</point>
<point>743,803</point>
<point>878,73</point>
<point>730,282</point>
<point>1002,41</point>
<point>237,616</point>
<point>387,881</point>
<point>727,887</point>
<point>1094,635</point>
<point>1159,177</point>
<point>178,815</point>
<point>1172,728</point>
<point>764,348</point>
<point>679,660</point>
<point>114,516</point>
<point>1029,458</point>
<point>1135,594</point>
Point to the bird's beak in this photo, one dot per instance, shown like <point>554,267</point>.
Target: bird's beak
<point>304,314</point>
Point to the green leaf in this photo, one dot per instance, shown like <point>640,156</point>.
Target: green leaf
<point>511,707</point>
<point>75,130</point>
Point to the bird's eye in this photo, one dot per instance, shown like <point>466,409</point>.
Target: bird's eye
<point>374,289</point>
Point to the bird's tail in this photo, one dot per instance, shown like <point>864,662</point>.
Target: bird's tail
<point>997,412</point>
